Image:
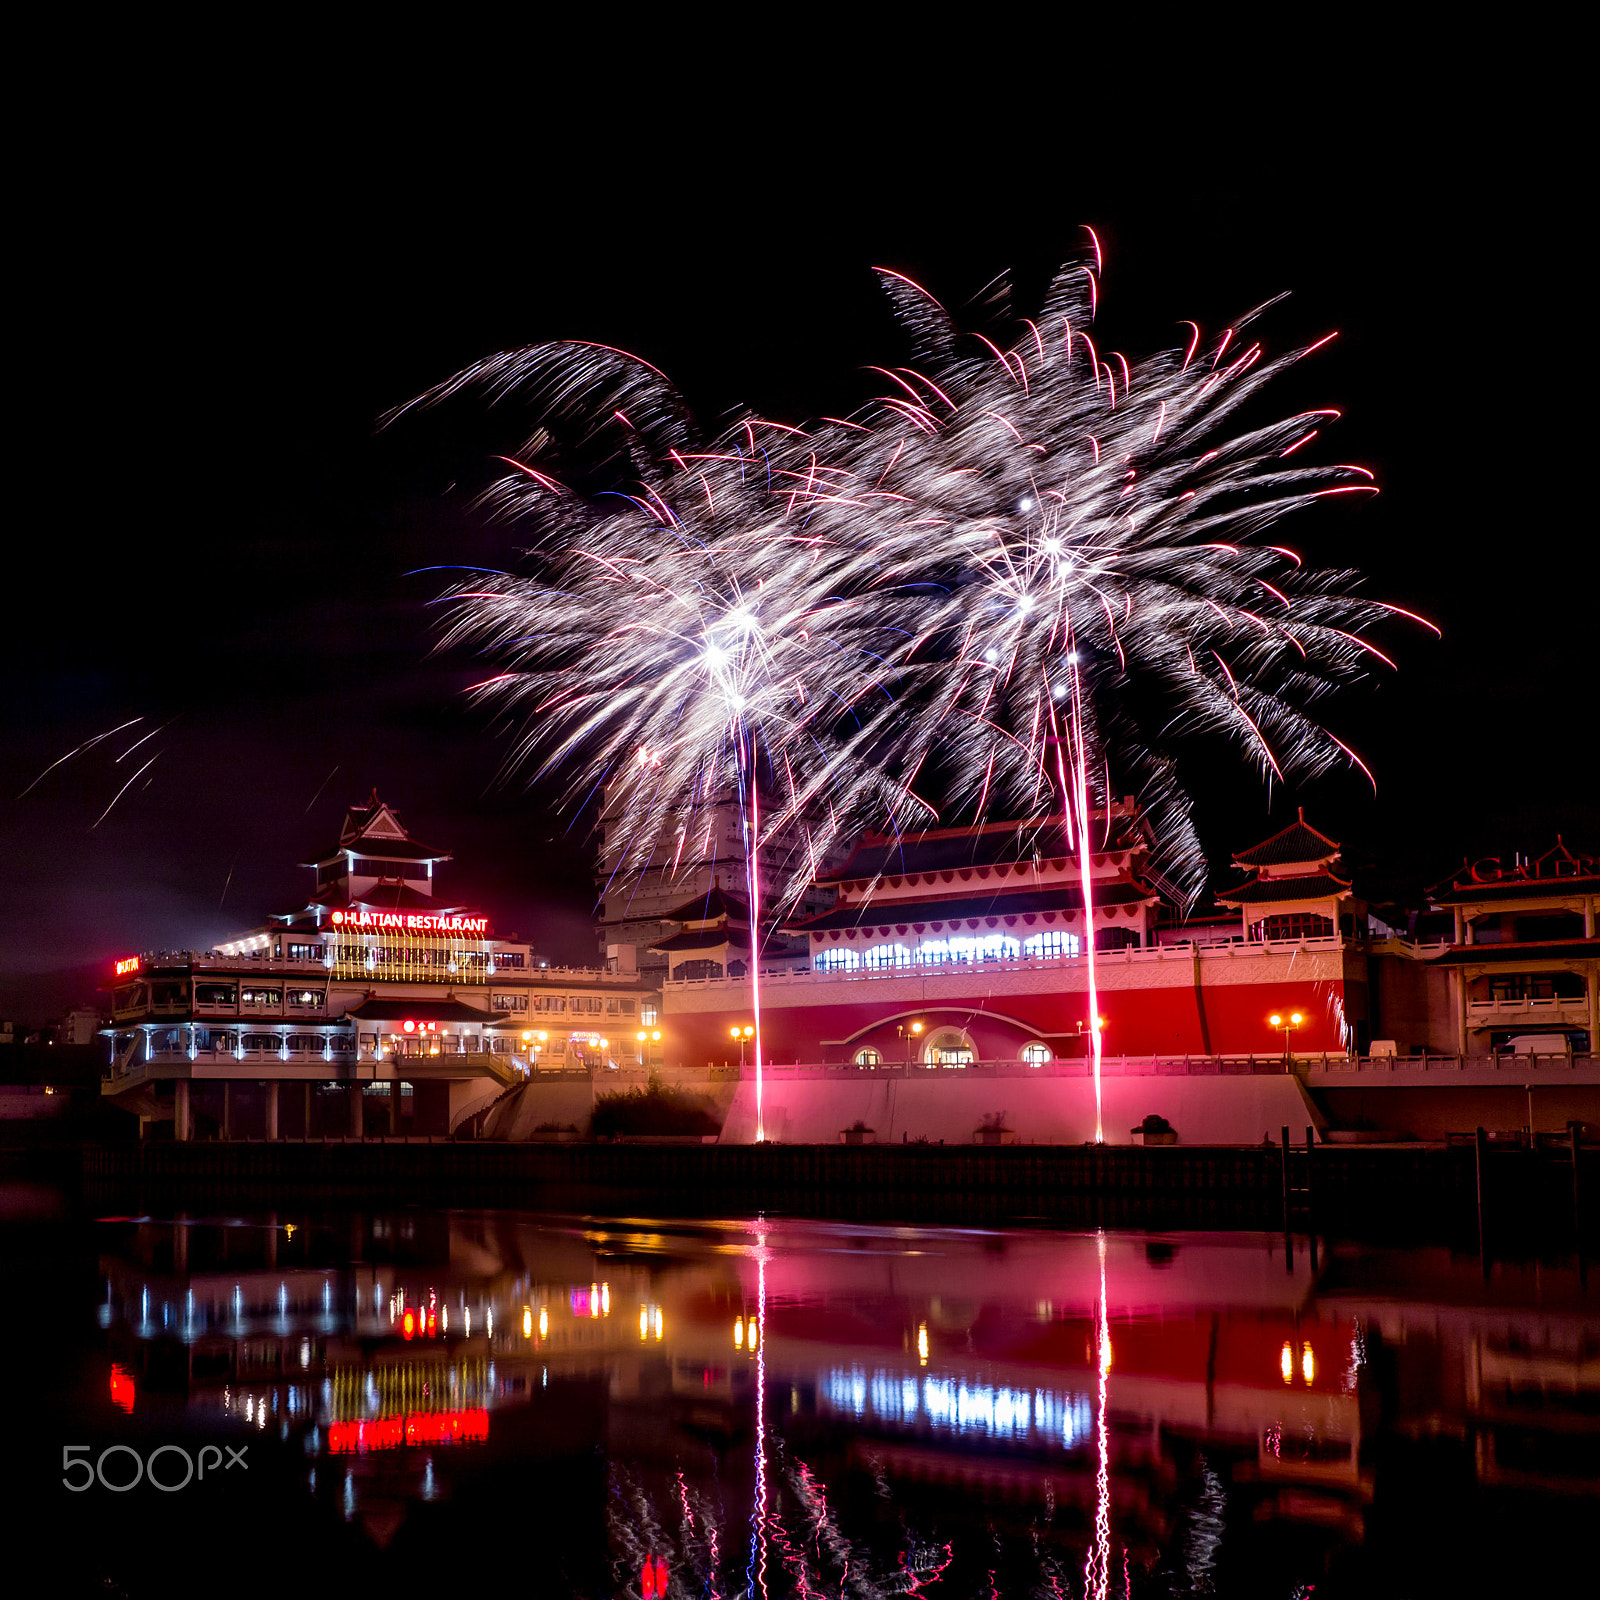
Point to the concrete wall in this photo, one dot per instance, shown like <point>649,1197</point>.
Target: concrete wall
<point>1432,1112</point>
<point>571,1100</point>
<point>1209,1110</point>
<point>560,1100</point>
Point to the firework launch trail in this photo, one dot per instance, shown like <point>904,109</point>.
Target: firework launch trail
<point>1017,582</point>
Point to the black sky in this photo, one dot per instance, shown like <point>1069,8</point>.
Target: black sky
<point>220,310</point>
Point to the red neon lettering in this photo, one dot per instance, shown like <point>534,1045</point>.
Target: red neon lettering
<point>413,922</point>
<point>126,965</point>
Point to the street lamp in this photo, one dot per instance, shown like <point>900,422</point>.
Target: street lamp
<point>1288,1024</point>
<point>741,1034</point>
<point>908,1034</point>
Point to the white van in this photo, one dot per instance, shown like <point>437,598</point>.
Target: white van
<point>1536,1044</point>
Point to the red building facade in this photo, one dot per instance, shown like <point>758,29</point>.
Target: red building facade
<point>970,945</point>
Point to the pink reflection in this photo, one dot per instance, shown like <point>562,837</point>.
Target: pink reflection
<point>758,1519</point>
<point>1097,1569</point>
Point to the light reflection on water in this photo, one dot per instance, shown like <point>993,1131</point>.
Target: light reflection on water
<point>791,1408</point>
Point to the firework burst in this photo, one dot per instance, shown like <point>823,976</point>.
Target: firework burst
<point>1008,587</point>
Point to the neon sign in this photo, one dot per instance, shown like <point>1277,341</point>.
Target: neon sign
<point>126,965</point>
<point>412,922</point>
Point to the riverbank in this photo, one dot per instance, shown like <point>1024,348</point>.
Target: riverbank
<point>1421,1190</point>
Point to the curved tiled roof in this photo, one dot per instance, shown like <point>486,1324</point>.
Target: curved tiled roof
<point>1298,842</point>
<point>1309,886</point>
<point>944,849</point>
<point>1517,889</point>
<point>715,902</point>
<point>887,913</point>
<point>704,939</point>
<point>385,1009</point>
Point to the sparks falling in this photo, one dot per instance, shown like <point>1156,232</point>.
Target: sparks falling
<point>1010,587</point>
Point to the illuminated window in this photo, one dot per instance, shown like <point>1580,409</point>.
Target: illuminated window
<point>1044,945</point>
<point>888,955</point>
<point>949,1048</point>
<point>868,1058</point>
<point>837,959</point>
<point>969,948</point>
<point>1036,1054</point>
<point>697,969</point>
<point>1292,925</point>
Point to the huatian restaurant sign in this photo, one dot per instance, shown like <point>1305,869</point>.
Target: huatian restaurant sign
<point>126,965</point>
<point>412,922</point>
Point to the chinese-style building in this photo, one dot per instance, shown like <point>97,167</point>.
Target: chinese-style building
<point>704,849</point>
<point>1294,891</point>
<point>1519,973</point>
<point>966,945</point>
<point>713,940</point>
<point>373,1009</point>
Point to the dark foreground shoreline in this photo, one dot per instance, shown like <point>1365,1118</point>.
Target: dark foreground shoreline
<point>1416,1190</point>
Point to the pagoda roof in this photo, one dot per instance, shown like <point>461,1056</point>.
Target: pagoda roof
<point>888,913</point>
<point>382,850</point>
<point>703,939</point>
<point>1517,889</point>
<point>1472,955</point>
<point>715,902</point>
<point>1557,872</point>
<point>375,829</point>
<point>1266,891</point>
<point>391,897</point>
<point>982,845</point>
<point>386,1008</point>
<point>1298,842</point>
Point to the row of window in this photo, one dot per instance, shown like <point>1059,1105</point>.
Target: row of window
<point>229,994</point>
<point>359,955</point>
<point>592,1005</point>
<point>940,952</point>
<point>953,1052</point>
<point>225,1041</point>
<point>1292,925</point>
<point>367,867</point>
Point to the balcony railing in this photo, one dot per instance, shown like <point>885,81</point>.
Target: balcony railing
<point>1436,1069</point>
<point>1579,1002</point>
<point>261,961</point>
<point>1132,956</point>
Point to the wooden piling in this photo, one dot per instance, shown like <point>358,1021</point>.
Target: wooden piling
<point>1481,1143</point>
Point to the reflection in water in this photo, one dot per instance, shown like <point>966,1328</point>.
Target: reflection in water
<point>882,1409</point>
<point>1097,1570</point>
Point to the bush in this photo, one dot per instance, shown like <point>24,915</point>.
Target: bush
<point>653,1110</point>
<point>1154,1124</point>
<point>556,1127</point>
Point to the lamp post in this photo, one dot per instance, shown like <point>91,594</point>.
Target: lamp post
<point>1288,1023</point>
<point>741,1034</point>
<point>908,1034</point>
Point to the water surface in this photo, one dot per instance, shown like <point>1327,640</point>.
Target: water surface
<point>484,1402</point>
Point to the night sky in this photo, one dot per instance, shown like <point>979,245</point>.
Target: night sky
<point>227,544</point>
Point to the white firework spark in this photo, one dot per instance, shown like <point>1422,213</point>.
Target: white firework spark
<point>1030,567</point>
